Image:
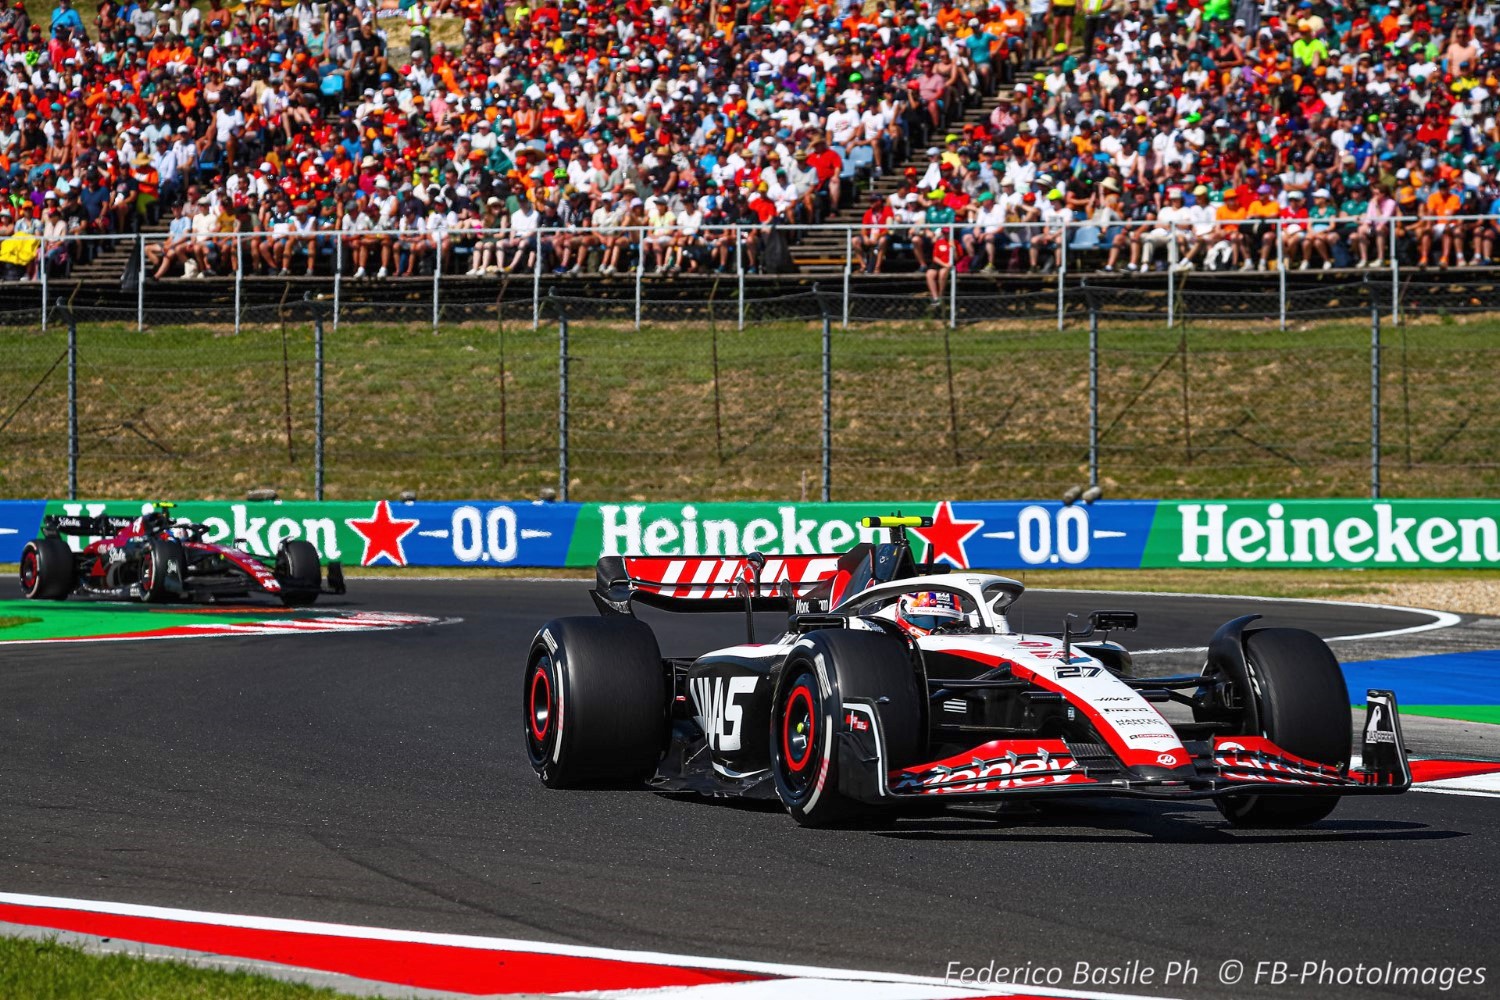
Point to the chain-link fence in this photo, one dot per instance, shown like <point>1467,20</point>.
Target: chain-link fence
<point>717,386</point>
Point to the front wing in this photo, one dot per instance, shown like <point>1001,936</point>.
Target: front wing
<point>1025,768</point>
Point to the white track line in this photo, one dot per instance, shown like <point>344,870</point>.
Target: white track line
<point>1440,619</point>
<point>355,932</point>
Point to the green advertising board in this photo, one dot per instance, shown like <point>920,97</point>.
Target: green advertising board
<point>1324,533</point>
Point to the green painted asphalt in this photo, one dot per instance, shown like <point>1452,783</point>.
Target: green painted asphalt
<point>91,619</point>
<point>1464,713</point>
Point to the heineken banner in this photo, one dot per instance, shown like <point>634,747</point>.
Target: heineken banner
<point>1120,534</point>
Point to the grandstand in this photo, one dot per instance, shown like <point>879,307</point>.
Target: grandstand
<point>1203,134</point>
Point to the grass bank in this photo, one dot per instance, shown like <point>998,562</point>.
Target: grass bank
<point>47,970</point>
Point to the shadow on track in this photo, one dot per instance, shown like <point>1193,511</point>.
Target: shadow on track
<point>1176,826</point>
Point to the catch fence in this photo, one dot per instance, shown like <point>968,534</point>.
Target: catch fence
<point>741,385</point>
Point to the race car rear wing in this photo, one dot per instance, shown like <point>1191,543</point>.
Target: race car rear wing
<point>711,583</point>
<point>796,584</point>
<point>100,526</point>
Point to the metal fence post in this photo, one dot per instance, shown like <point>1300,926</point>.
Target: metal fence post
<point>140,282</point>
<point>1281,270</point>
<point>72,322</point>
<point>317,403</point>
<point>239,277</point>
<point>536,284</point>
<point>1093,393</point>
<point>1395,277</point>
<point>640,268</point>
<point>1374,399</point>
<point>952,278</point>
<point>1171,299</point>
<point>42,265</point>
<point>739,272</point>
<point>562,404</point>
<point>338,276</point>
<point>437,279</point>
<point>848,266</point>
<point>1062,271</point>
<point>827,405</point>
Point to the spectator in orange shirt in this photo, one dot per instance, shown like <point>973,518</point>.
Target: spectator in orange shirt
<point>1230,216</point>
<point>1441,204</point>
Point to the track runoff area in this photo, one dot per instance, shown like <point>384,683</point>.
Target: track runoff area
<point>346,802</point>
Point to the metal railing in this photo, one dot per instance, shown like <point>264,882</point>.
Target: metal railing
<point>1071,253</point>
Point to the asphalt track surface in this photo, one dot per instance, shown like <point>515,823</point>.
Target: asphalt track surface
<point>379,778</point>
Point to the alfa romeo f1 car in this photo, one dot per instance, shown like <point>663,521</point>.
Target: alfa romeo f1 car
<point>897,684</point>
<point>154,559</point>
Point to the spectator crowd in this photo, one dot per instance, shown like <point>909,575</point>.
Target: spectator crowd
<point>479,137</point>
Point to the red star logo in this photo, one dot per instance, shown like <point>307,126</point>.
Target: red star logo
<point>945,539</point>
<point>382,534</point>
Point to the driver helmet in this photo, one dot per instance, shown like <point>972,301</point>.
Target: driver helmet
<point>927,610</point>
<point>182,530</point>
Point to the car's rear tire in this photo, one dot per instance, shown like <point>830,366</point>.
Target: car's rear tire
<point>1303,707</point>
<point>299,572</point>
<point>594,702</point>
<point>822,670</point>
<point>47,572</point>
<point>157,560</point>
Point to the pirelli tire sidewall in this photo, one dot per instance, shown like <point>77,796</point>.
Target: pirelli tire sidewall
<point>594,702</point>
<point>46,569</point>
<point>162,559</point>
<point>1302,704</point>
<point>822,669</point>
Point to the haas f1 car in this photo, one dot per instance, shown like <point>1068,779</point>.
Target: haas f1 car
<point>897,684</point>
<point>154,559</point>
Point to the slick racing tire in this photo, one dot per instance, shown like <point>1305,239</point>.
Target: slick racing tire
<point>1303,706</point>
<point>299,573</point>
<point>46,569</point>
<point>594,702</point>
<point>823,669</point>
<point>157,561</point>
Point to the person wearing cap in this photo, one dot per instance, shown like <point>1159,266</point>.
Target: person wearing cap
<point>302,236</point>
<point>1321,234</point>
<point>1294,224</point>
<point>147,187</point>
<point>1260,233</point>
<point>939,266</point>
<point>1230,247</point>
<point>204,225</point>
<point>1052,216</point>
<point>1441,205</point>
<point>1173,221</point>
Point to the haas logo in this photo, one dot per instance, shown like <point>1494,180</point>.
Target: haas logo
<point>719,712</point>
<point>1376,729</point>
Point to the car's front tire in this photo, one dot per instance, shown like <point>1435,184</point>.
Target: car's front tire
<point>822,670</point>
<point>47,572</point>
<point>299,571</point>
<point>1303,707</point>
<point>160,558</point>
<point>594,702</point>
